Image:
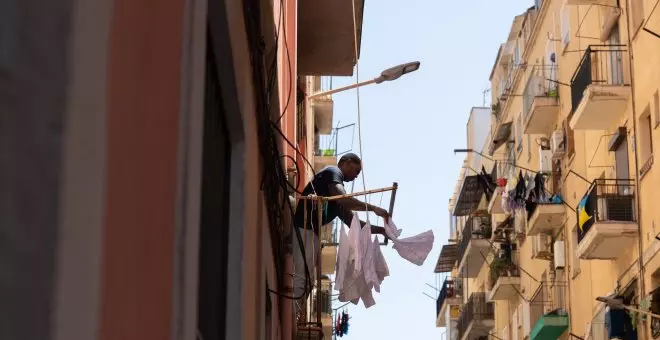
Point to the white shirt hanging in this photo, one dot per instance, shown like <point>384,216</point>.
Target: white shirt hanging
<point>415,248</point>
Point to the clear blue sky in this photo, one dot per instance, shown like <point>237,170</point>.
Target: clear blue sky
<point>409,130</point>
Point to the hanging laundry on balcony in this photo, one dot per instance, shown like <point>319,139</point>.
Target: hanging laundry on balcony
<point>360,265</point>
<point>415,248</point>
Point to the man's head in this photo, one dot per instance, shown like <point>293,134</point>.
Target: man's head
<point>350,165</point>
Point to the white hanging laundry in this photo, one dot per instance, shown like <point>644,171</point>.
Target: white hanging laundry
<point>380,269</point>
<point>357,273</point>
<point>342,259</point>
<point>415,248</point>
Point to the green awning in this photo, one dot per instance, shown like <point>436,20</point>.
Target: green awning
<point>549,327</point>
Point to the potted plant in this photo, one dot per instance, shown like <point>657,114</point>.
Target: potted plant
<point>498,267</point>
<point>496,109</point>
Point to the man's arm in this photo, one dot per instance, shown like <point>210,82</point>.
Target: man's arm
<point>350,203</point>
<point>346,216</point>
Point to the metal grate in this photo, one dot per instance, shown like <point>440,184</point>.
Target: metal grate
<point>476,309</point>
<point>609,200</point>
<point>600,65</point>
<point>476,227</point>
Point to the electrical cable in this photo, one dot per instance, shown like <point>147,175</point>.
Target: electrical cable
<point>288,59</point>
<point>357,90</point>
<point>276,184</point>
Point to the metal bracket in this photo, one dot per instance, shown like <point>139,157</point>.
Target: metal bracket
<point>395,186</point>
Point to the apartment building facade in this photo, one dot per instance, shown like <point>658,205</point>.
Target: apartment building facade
<point>562,212</point>
<point>135,143</point>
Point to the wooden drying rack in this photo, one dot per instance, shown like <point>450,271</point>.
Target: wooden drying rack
<point>321,200</point>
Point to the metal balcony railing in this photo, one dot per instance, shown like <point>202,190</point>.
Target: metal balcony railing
<point>329,145</point>
<point>600,65</point>
<point>448,291</point>
<point>609,200</point>
<point>326,83</point>
<point>476,227</point>
<point>476,309</point>
<point>549,298</point>
<point>539,84</point>
<point>505,264</point>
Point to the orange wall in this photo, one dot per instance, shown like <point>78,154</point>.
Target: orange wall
<point>142,128</point>
<point>286,13</point>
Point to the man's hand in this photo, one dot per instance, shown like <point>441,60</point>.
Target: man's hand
<point>382,213</point>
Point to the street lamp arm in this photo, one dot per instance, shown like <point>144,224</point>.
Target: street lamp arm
<point>341,89</point>
<point>392,73</point>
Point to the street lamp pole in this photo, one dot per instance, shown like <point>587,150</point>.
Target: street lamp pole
<point>390,74</point>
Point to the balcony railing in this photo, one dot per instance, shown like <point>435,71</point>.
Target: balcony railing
<point>609,200</point>
<point>539,84</point>
<point>476,227</point>
<point>549,300</point>
<point>475,310</point>
<point>330,145</point>
<point>326,84</point>
<point>448,291</point>
<point>600,65</point>
<point>505,264</point>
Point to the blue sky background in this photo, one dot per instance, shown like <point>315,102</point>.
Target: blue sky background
<point>409,130</point>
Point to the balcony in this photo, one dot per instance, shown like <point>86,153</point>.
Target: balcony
<point>320,304</point>
<point>600,88</point>
<point>547,311</point>
<point>475,245</point>
<point>540,101</point>
<point>324,158</point>
<point>546,218</point>
<point>504,275</point>
<point>477,317</point>
<point>326,36</point>
<point>448,299</point>
<point>611,227</point>
<point>323,106</point>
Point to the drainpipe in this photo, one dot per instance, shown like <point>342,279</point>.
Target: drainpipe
<point>640,260</point>
<point>286,304</point>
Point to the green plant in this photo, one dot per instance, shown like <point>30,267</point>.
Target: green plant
<point>498,267</point>
<point>496,108</point>
<point>328,152</point>
<point>552,93</point>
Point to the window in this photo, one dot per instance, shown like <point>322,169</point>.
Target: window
<point>637,14</point>
<point>519,133</point>
<point>645,142</point>
<point>575,262</point>
<point>656,108</point>
<point>569,136</point>
<point>565,24</point>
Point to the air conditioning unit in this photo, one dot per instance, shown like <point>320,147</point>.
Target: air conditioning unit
<point>542,247</point>
<point>559,255</point>
<point>557,144</point>
<point>545,160</point>
<point>526,324</point>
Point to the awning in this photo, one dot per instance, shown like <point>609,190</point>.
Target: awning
<point>447,258</point>
<point>469,196</point>
<point>501,136</point>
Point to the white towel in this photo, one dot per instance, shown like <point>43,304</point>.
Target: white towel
<point>415,248</point>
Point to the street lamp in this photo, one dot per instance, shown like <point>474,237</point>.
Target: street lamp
<point>392,73</point>
<point>619,304</point>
